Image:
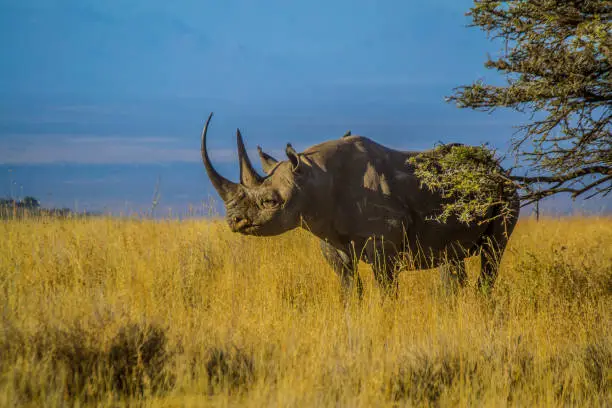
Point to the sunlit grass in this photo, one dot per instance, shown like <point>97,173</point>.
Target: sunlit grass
<point>105,311</point>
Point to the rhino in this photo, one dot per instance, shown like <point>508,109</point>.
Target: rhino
<point>364,202</point>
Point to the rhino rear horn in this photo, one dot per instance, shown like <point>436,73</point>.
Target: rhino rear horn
<point>248,175</point>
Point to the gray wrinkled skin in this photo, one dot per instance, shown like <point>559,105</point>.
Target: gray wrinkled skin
<point>364,202</point>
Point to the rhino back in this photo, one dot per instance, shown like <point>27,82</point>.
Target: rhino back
<point>376,193</point>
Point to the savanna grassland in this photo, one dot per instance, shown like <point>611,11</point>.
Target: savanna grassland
<point>111,312</point>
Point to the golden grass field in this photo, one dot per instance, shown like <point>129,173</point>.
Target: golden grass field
<point>111,312</point>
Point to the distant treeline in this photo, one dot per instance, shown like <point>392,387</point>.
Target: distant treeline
<point>30,207</point>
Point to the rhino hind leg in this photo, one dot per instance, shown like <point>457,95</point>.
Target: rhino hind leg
<point>345,267</point>
<point>490,255</point>
<point>492,248</point>
<point>453,275</point>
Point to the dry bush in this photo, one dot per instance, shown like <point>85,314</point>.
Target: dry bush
<point>71,363</point>
<point>228,370</point>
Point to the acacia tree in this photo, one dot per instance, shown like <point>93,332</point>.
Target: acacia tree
<point>555,58</point>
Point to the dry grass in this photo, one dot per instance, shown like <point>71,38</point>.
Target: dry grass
<point>112,312</point>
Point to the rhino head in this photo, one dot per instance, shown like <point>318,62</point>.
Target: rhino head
<point>259,205</point>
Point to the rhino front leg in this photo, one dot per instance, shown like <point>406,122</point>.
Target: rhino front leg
<point>346,269</point>
<point>453,275</point>
<point>382,257</point>
<point>386,276</point>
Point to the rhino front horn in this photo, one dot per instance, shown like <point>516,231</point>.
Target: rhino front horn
<point>224,187</point>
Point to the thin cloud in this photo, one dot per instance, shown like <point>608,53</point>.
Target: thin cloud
<point>110,155</point>
<point>120,139</point>
<point>87,109</point>
<point>89,181</point>
<point>46,149</point>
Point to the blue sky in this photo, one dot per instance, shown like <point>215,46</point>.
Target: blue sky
<point>99,99</point>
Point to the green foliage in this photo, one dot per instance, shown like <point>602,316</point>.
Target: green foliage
<point>556,57</point>
<point>470,180</point>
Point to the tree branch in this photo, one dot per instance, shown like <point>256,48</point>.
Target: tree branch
<point>592,185</point>
<point>604,170</point>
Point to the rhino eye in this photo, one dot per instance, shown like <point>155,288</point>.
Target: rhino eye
<point>269,203</point>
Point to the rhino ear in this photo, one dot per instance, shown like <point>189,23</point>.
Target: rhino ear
<point>267,162</point>
<point>293,157</point>
<point>347,134</point>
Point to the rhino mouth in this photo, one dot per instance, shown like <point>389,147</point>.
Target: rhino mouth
<point>245,227</point>
<point>249,228</point>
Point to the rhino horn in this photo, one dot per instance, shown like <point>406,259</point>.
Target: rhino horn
<point>293,157</point>
<point>248,175</point>
<point>224,187</point>
<point>267,162</point>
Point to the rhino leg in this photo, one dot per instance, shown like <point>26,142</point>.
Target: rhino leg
<point>490,255</point>
<point>453,275</point>
<point>382,257</point>
<point>492,248</point>
<point>386,276</point>
<point>342,263</point>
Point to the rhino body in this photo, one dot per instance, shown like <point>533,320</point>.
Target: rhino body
<point>364,202</point>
